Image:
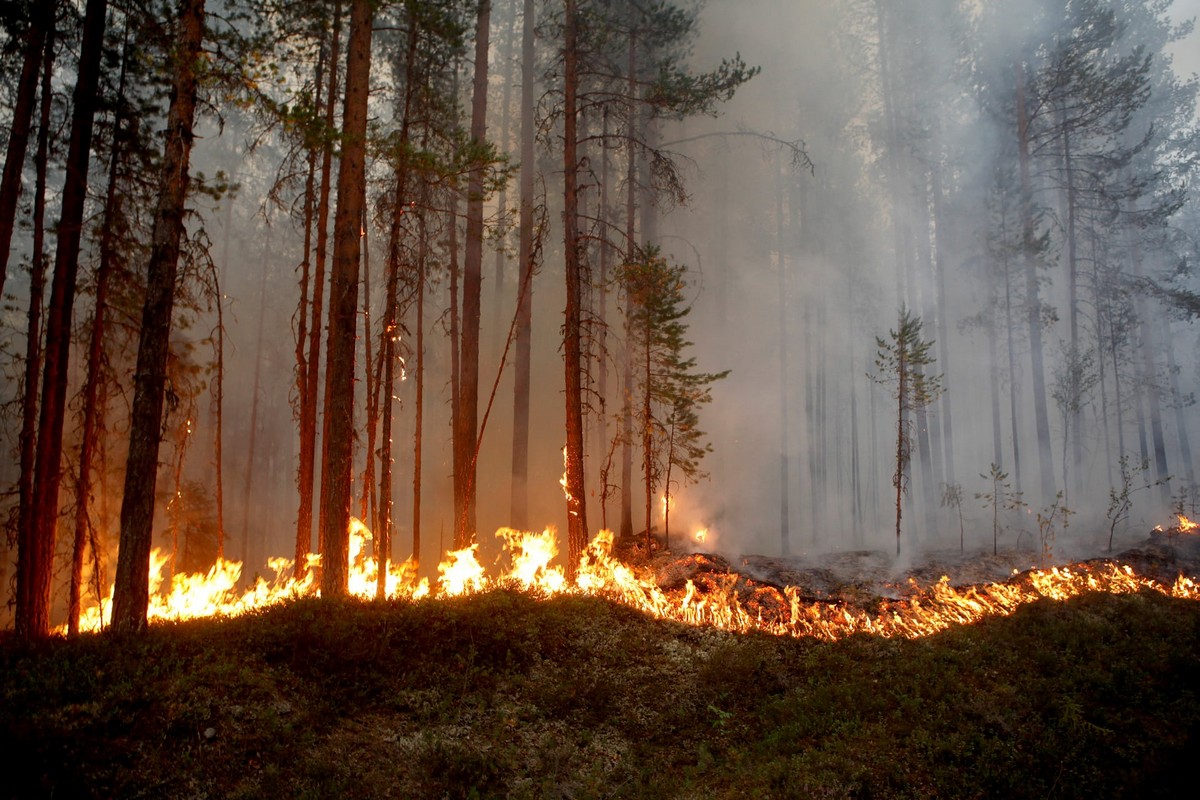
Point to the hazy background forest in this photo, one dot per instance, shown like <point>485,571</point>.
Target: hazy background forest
<point>880,158</point>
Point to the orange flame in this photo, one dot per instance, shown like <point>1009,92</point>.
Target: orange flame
<point>1186,525</point>
<point>925,610</point>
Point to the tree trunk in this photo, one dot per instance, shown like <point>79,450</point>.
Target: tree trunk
<point>27,441</point>
<point>34,565</point>
<point>131,592</point>
<point>1033,303</point>
<point>506,58</point>
<point>338,457</point>
<point>391,323</point>
<point>93,411</point>
<point>942,245</point>
<point>1075,412</point>
<point>37,40</point>
<point>305,401</point>
<point>572,353</point>
<point>308,410</point>
<point>647,435</point>
<point>781,286</point>
<point>525,254</point>
<point>630,256</point>
<point>466,434</point>
<point>251,473</point>
<point>901,454</point>
<point>367,500</point>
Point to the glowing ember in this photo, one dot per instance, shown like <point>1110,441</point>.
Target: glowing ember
<point>925,610</point>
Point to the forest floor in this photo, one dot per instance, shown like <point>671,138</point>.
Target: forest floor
<point>503,694</point>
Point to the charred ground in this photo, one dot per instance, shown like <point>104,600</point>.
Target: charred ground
<point>507,695</point>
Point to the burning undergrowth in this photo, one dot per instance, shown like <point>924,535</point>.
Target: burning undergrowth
<point>831,597</point>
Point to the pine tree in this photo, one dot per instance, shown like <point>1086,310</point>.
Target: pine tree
<point>900,362</point>
<point>670,389</point>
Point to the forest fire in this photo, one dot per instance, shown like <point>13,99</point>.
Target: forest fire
<point>712,600</point>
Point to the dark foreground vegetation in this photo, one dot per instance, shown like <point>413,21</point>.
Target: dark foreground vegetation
<point>502,695</point>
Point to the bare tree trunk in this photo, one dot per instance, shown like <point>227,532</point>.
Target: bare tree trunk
<point>572,352</point>
<point>940,225</point>
<point>647,437</point>
<point>605,256</point>
<point>219,402</point>
<point>304,400</point>
<point>93,412</point>
<point>419,412</point>
<point>131,592</point>
<point>506,58</point>
<point>1033,303</point>
<point>38,39</point>
<point>338,461</point>
<point>781,276</point>
<point>367,500</point>
<point>466,435</point>
<point>630,254</point>
<point>527,257</point>
<point>255,387</point>
<point>27,441</point>
<point>308,410</point>
<point>34,564</point>
<point>391,323</point>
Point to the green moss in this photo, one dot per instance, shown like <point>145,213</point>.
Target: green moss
<point>504,695</point>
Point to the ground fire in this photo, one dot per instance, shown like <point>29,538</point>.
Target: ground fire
<point>718,598</point>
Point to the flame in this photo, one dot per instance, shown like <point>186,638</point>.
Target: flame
<point>700,536</point>
<point>718,600</point>
<point>1186,525</point>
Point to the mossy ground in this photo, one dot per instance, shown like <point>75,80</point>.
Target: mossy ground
<point>507,695</point>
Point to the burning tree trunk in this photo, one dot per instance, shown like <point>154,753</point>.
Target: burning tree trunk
<point>131,592</point>
<point>34,561</point>
<point>343,301</point>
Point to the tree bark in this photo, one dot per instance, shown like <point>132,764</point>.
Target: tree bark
<point>572,351</point>
<point>626,521</point>
<point>93,411</point>
<point>1033,304</point>
<point>27,440</point>
<point>34,565</point>
<point>306,401</point>
<point>308,411</point>
<point>465,436</point>
<point>337,463</point>
<point>525,254</point>
<point>37,39</point>
<point>131,592</point>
